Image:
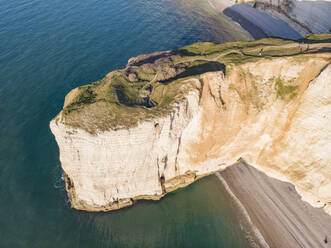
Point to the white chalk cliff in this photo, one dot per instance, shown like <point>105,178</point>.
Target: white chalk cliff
<point>274,114</point>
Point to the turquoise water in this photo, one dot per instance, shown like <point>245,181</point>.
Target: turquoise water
<point>46,49</point>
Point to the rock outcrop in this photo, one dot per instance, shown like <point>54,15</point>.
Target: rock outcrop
<point>272,113</point>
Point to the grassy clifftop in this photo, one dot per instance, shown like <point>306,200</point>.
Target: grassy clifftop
<point>149,85</point>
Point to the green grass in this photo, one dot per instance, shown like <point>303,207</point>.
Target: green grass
<point>230,52</point>
<point>115,102</point>
<point>86,96</point>
<point>144,76</point>
<point>317,38</point>
<point>126,92</point>
<point>237,58</point>
<point>210,48</point>
<point>284,90</point>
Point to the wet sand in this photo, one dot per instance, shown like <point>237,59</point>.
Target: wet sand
<point>276,209</point>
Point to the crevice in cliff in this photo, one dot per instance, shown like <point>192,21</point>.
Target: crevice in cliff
<point>186,108</point>
<point>160,175</point>
<point>162,180</point>
<point>217,99</point>
<point>178,147</point>
<point>165,161</point>
<point>157,130</point>
<point>172,117</point>
<point>220,92</point>
<point>69,182</point>
<point>201,89</point>
<point>70,189</point>
<point>78,155</point>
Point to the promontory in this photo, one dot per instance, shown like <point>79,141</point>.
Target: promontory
<point>170,118</point>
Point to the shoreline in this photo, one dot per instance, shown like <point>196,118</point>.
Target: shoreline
<point>256,231</point>
<point>269,202</point>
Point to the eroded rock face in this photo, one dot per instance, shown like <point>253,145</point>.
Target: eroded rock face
<point>274,114</point>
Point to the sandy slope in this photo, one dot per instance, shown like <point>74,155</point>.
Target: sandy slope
<point>276,209</point>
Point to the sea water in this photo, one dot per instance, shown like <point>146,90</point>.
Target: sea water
<point>48,48</point>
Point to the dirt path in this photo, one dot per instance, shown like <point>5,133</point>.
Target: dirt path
<point>265,48</point>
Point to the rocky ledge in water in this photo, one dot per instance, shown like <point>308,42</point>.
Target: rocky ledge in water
<point>172,117</point>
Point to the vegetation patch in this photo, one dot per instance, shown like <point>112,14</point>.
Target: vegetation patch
<point>317,38</point>
<point>146,76</point>
<point>126,93</point>
<point>86,96</point>
<point>237,58</point>
<point>210,48</point>
<point>149,85</point>
<point>284,90</point>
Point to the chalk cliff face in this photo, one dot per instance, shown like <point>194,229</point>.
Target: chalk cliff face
<point>275,114</point>
<point>111,169</point>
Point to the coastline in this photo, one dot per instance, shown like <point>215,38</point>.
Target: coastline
<point>273,209</point>
<point>255,230</point>
<point>272,203</point>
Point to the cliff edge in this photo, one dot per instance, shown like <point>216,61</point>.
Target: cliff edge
<point>169,118</point>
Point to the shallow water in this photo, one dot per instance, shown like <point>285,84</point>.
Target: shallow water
<point>46,49</point>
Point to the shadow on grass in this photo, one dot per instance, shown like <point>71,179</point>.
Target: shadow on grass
<point>316,38</point>
<point>205,66</point>
<point>309,41</point>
